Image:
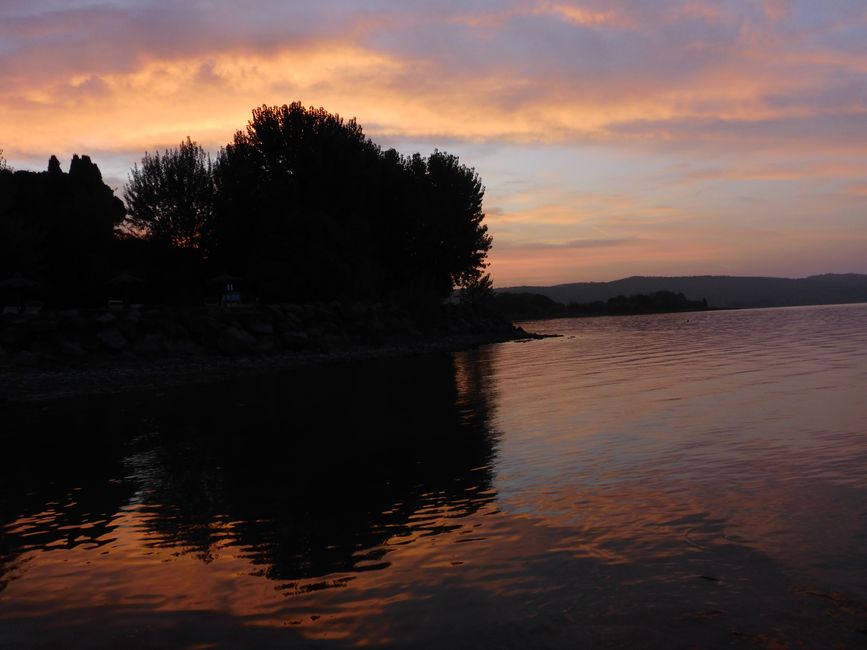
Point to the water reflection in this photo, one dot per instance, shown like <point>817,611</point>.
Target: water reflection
<point>314,482</point>
<point>57,492</point>
<point>651,482</point>
<point>308,474</point>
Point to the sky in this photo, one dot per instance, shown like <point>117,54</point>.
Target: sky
<point>644,137</point>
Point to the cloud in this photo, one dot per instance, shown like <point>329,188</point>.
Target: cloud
<point>575,244</point>
<point>545,72</point>
<point>697,112</point>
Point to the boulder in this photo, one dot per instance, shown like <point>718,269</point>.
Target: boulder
<point>44,325</point>
<point>148,345</point>
<point>70,349</point>
<point>111,338</point>
<point>260,328</point>
<point>266,345</point>
<point>235,341</point>
<point>295,339</point>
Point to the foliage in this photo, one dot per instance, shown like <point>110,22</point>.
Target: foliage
<point>3,164</point>
<point>301,204</point>
<point>478,292</point>
<point>309,207</point>
<point>58,228</point>
<point>170,198</point>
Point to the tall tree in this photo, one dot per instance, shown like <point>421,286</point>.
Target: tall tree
<point>59,228</point>
<point>311,208</point>
<point>170,197</point>
<point>295,192</point>
<point>450,242</point>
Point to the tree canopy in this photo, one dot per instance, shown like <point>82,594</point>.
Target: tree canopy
<point>309,207</point>
<point>301,204</point>
<point>171,196</point>
<point>58,228</point>
<point>305,206</point>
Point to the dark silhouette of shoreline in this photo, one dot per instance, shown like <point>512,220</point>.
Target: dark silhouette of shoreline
<point>302,237</point>
<point>535,306</point>
<point>300,207</point>
<point>721,292</point>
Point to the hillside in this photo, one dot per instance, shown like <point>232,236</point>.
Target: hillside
<point>720,291</point>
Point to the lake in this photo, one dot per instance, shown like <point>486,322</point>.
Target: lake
<point>678,480</point>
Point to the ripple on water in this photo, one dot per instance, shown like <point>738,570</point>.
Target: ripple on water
<point>665,479</point>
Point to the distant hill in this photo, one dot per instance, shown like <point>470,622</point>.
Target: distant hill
<point>719,290</point>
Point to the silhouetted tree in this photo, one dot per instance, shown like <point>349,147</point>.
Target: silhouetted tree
<point>171,196</point>
<point>295,197</point>
<point>478,292</point>
<point>448,242</point>
<point>2,160</point>
<point>59,228</point>
<point>310,208</point>
<point>54,166</point>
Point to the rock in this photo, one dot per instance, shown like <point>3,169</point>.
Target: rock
<point>111,338</point>
<point>11,335</point>
<point>260,328</point>
<point>128,328</point>
<point>71,319</point>
<point>293,321</point>
<point>266,345</point>
<point>333,342</point>
<point>70,349</point>
<point>43,326</point>
<point>295,339</point>
<point>26,358</point>
<point>148,345</point>
<point>235,341</point>
<point>89,342</point>
<point>187,347</point>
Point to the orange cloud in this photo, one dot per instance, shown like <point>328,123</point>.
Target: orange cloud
<point>726,106</point>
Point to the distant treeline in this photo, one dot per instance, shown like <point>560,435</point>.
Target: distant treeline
<point>531,306</point>
<point>724,292</point>
<point>300,206</point>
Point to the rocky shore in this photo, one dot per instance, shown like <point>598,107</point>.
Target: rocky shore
<point>78,351</point>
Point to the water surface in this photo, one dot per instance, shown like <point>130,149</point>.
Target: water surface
<point>672,481</point>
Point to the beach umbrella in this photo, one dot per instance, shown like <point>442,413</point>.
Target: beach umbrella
<point>224,279</point>
<point>125,281</point>
<point>227,283</point>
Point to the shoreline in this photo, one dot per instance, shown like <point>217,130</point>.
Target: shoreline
<point>113,376</point>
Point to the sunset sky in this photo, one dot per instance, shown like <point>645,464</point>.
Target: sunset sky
<point>614,138</point>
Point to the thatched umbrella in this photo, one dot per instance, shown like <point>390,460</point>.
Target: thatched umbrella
<point>226,282</point>
<point>19,285</point>
<point>125,281</point>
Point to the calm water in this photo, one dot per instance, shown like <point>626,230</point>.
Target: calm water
<point>689,480</point>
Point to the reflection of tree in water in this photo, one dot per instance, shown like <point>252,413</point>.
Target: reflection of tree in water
<point>311,475</point>
<point>58,491</point>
